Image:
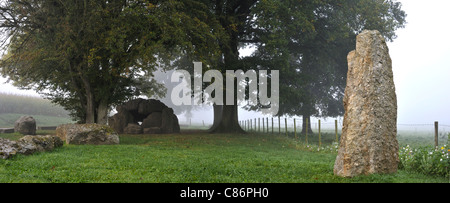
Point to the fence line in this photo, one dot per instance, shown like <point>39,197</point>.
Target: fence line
<point>431,124</point>
<point>291,123</point>
<point>286,125</point>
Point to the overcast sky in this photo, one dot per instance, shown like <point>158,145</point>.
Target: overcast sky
<point>421,65</point>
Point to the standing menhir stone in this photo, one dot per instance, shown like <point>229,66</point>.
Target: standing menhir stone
<point>368,143</point>
<point>25,125</point>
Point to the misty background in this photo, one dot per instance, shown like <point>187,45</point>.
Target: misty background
<point>421,65</point>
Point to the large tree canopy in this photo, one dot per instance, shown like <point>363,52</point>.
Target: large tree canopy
<point>309,42</point>
<point>87,55</point>
<point>92,54</point>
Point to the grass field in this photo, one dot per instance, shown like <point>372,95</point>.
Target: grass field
<point>190,157</point>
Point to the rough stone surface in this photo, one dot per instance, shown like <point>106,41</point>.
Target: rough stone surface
<point>133,128</point>
<point>31,144</point>
<point>25,125</point>
<point>28,145</point>
<point>120,120</point>
<point>8,148</point>
<point>368,143</point>
<point>6,130</point>
<point>90,134</point>
<point>152,120</point>
<point>149,112</point>
<point>62,130</point>
<point>152,130</point>
<point>147,107</point>
<point>169,122</point>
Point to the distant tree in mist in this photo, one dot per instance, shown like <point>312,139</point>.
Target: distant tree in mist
<point>27,105</point>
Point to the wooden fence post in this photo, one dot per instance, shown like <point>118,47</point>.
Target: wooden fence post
<point>251,124</point>
<point>263,125</point>
<point>272,125</point>
<point>295,130</point>
<point>436,137</point>
<point>336,130</point>
<point>245,125</point>
<point>279,126</point>
<point>267,125</point>
<point>259,124</point>
<point>320,141</point>
<point>285,126</point>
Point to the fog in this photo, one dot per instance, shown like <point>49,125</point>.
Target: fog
<point>421,65</point>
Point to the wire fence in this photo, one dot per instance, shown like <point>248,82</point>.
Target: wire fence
<point>329,130</point>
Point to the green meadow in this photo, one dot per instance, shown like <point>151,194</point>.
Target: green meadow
<point>191,157</point>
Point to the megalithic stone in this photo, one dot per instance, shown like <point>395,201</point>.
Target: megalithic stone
<point>368,143</point>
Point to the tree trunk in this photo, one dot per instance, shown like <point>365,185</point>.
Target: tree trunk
<point>90,102</point>
<point>229,122</point>
<point>102,112</point>
<point>304,124</point>
<point>217,110</point>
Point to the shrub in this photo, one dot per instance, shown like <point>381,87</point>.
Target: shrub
<point>426,160</point>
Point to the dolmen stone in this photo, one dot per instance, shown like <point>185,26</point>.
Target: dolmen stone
<point>28,145</point>
<point>144,116</point>
<point>87,134</point>
<point>25,125</point>
<point>368,143</point>
<point>133,128</point>
<point>39,143</point>
<point>169,121</point>
<point>6,130</point>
